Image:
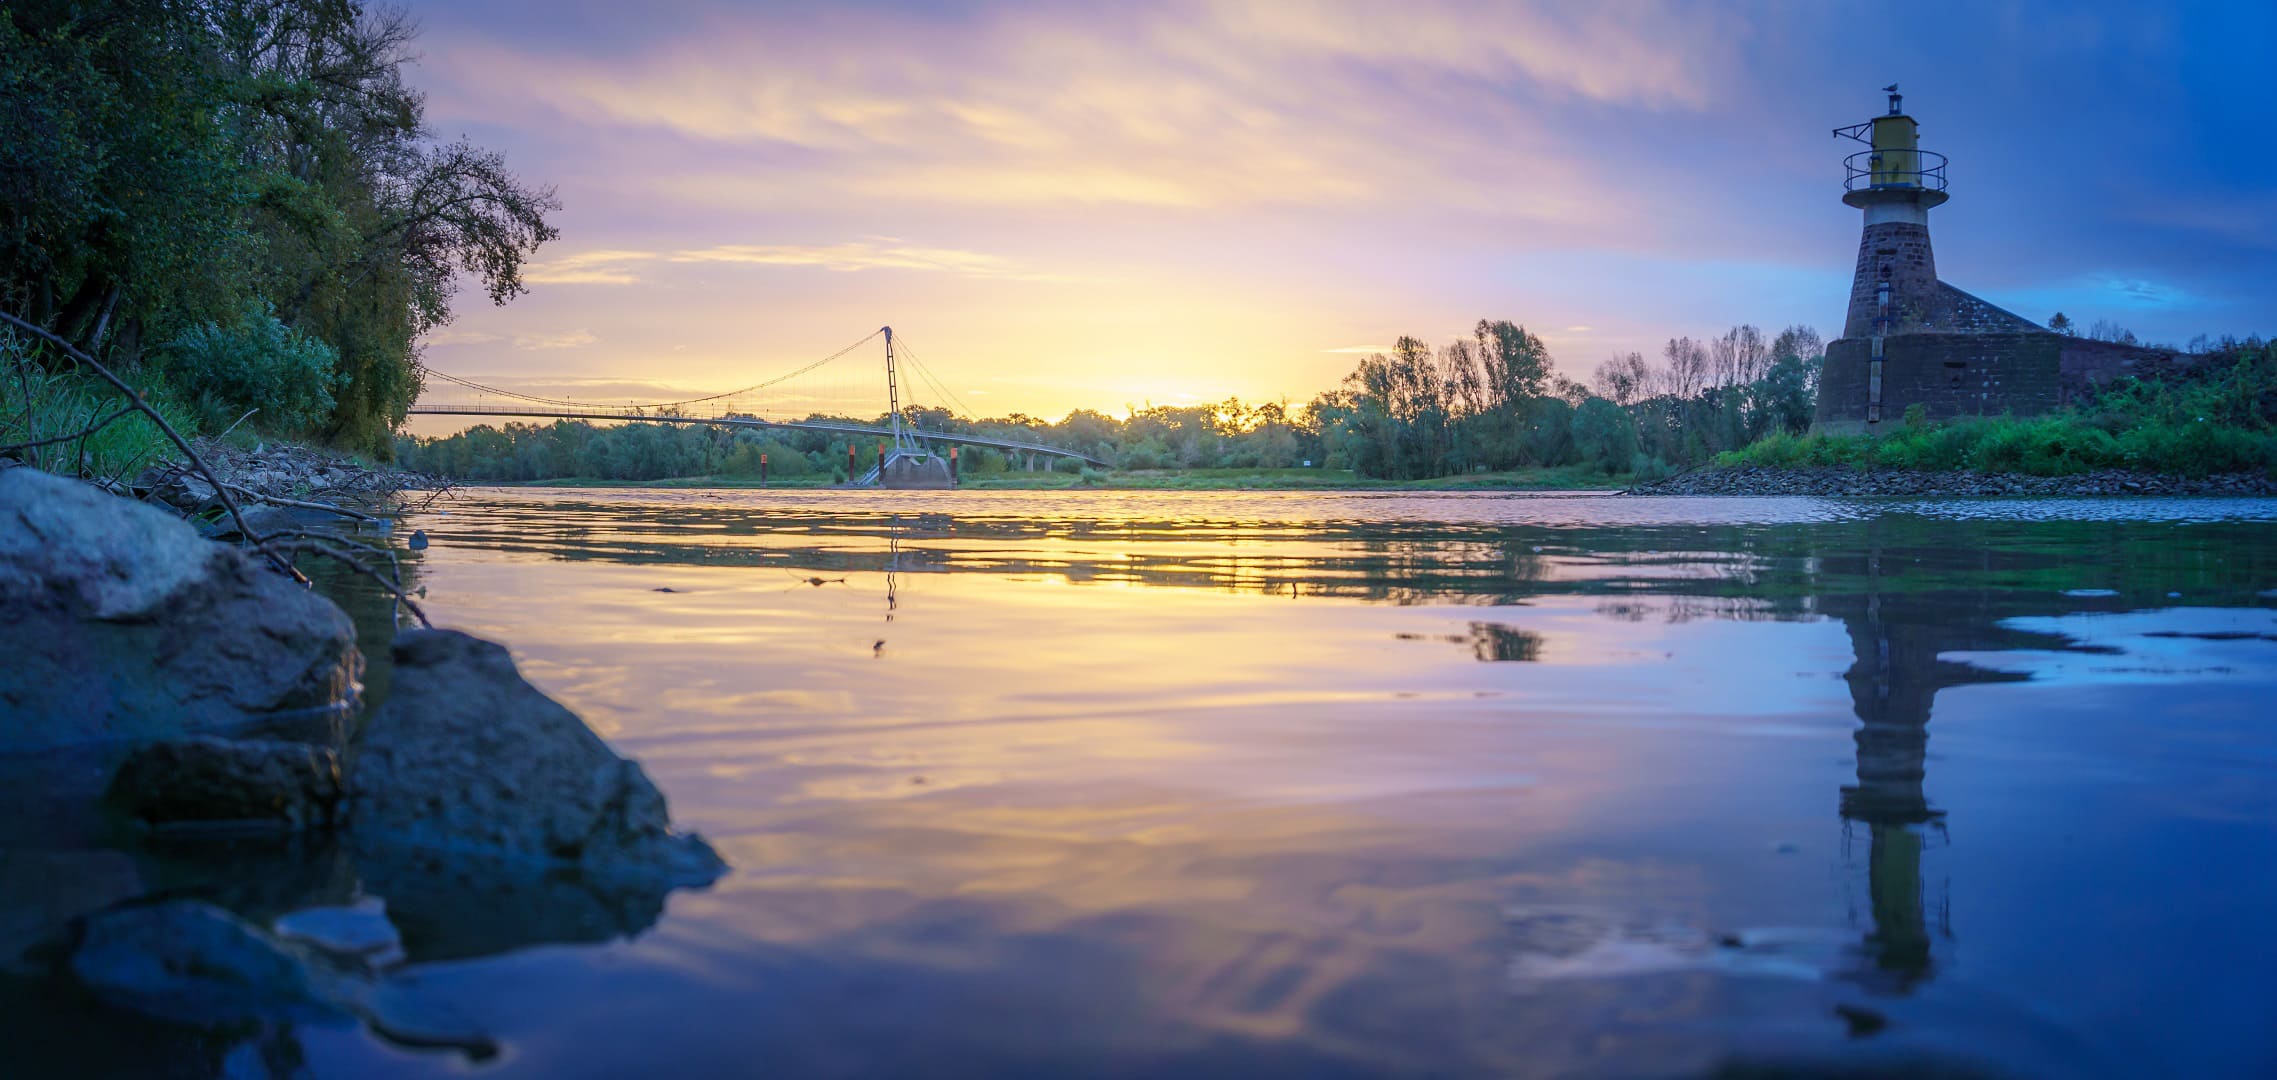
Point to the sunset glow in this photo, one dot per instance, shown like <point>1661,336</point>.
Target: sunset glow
<point>1071,206</point>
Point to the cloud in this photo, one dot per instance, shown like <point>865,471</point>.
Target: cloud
<point>621,267</point>
<point>1362,350</point>
<point>587,268</point>
<point>451,335</point>
<point>565,340</point>
<point>2146,294</point>
<point>859,256</point>
<point>1186,105</point>
<point>560,340</point>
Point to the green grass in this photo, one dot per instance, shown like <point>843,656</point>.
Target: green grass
<point>37,404</point>
<point>2223,420</point>
<point>2060,444</point>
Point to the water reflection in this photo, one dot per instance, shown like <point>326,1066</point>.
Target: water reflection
<point>1363,784</point>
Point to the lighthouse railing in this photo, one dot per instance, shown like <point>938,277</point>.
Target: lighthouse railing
<point>1869,169</point>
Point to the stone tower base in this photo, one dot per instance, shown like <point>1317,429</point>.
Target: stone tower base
<point>2021,372</point>
<point>1949,375</point>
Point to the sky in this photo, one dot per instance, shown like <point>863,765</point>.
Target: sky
<point>1115,205</point>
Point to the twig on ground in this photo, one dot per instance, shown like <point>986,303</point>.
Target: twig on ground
<point>233,426</point>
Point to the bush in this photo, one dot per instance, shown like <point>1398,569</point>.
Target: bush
<point>2223,421</point>
<point>256,364</point>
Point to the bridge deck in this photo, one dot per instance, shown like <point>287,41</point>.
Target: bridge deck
<point>745,421</point>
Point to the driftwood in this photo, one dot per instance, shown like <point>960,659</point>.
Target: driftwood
<point>277,548</point>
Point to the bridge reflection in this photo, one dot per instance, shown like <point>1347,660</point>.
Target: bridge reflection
<point>1910,596</point>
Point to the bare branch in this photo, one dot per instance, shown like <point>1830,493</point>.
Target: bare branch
<point>132,395</point>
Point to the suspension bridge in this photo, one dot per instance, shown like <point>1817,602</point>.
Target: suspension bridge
<point>824,396</point>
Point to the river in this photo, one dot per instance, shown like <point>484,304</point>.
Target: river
<point>1324,784</point>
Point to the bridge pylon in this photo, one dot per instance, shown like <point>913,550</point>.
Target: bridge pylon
<point>909,464</point>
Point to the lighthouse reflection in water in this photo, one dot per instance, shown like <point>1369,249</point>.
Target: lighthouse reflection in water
<point>1305,785</point>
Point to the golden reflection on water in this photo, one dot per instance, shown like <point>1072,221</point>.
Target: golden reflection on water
<point>1319,773</point>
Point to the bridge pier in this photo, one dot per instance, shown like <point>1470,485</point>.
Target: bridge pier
<point>904,470</point>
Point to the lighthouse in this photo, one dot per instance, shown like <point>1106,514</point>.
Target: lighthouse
<point>1909,339</point>
<point>1896,183</point>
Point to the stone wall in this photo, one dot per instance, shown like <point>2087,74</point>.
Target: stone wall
<point>1948,374</point>
<point>2088,364</point>
<point>1954,311</point>
<point>1899,251</point>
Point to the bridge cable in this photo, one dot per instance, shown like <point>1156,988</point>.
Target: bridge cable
<point>653,404</point>
<point>951,395</point>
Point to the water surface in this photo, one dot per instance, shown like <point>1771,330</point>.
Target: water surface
<point>1342,784</point>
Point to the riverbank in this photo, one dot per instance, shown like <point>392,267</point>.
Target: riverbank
<point>210,828</point>
<point>294,470</point>
<point>1564,478</point>
<point>1848,480</point>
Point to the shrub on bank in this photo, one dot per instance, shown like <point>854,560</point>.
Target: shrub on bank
<point>2224,421</point>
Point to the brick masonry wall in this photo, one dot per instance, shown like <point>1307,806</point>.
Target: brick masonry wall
<point>1949,374</point>
<point>1900,250</point>
<point>1960,313</point>
<point>2086,364</point>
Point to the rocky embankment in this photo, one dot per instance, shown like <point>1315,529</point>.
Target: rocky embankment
<point>160,688</point>
<point>286,470</point>
<point>1844,480</point>
<point>272,484</point>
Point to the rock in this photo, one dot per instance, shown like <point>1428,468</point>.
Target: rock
<point>262,518</point>
<point>467,756</point>
<point>188,962</point>
<point>359,933</point>
<point>206,780</point>
<point>186,492</point>
<point>103,556</point>
<point>403,1012</point>
<point>121,625</point>
<point>193,963</point>
<point>457,905</point>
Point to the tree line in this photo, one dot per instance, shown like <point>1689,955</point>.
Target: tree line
<point>1492,400</point>
<point>239,202</point>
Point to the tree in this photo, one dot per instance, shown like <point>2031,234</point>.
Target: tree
<point>165,163</point>
<point>2106,330</point>
<point>1688,368</point>
<point>2062,324</point>
<point>1624,380</point>
<point>1516,364</point>
<point>1740,356</point>
<point>1603,435</point>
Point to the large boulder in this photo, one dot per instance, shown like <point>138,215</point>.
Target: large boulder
<point>467,756</point>
<point>192,963</point>
<point>209,781</point>
<point>121,626</point>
